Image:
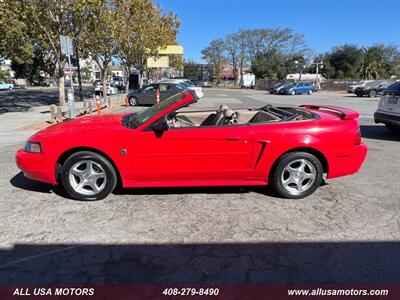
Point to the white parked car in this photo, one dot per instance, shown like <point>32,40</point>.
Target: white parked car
<point>186,84</point>
<point>6,86</point>
<point>351,88</point>
<point>111,89</point>
<point>388,111</point>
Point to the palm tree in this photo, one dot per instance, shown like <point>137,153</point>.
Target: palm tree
<point>372,65</point>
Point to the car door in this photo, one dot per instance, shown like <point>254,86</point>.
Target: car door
<point>301,88</point>
<point>165,91</point>
<point>148,95</point>
<point>219,153</point>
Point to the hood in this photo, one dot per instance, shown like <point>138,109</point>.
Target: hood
<point>82,124</point>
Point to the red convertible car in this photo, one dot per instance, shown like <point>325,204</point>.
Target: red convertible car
<point>290,148</point>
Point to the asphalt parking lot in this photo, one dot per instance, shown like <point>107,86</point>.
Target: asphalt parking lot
<point>348,231</point>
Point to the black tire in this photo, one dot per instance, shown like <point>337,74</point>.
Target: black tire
<point>372,93</point>
<point>359,95</point>
<point>280,172</point>
<point>393,128</point>
<point>108,169</point>
<point>133,101</point>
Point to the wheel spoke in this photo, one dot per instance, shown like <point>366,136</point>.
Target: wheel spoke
<point>94,186</point>
<point>298,176</point>
<point>89,167</point>
<point>85,175</point>
<point>302,166</point>
<point>97,176</point>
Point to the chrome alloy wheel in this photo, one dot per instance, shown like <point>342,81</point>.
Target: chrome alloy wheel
<point>298,176</point>
<point>87,177</point>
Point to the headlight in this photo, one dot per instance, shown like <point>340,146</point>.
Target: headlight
<point>33,147</point>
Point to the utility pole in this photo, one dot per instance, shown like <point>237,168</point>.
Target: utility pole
<point>68,50</point>
<point>317,64</point>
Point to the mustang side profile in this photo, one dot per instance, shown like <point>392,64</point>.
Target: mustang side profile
<point>170,144</point>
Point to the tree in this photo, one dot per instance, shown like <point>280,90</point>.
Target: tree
<point>232,50</point>
<point>99,39</point>
<point>214,55</point>
<point>379,62</point>
<point>35,26</point>
<point>15,43</point>
<point>47,20</point>
<point>342,62</point>
<point>4,74</point>
<point>372,63</point>
<point>151,31</point>
<point>192,70</point>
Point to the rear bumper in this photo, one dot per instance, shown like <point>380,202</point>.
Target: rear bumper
<point>384,118</point>
<point>36,166</point>
<point>342,163</point>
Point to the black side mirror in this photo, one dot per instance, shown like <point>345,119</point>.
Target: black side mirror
<point>160,125</point>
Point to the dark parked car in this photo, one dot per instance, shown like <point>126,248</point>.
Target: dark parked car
<point>41,81</point>
<point>276,87</point>
<point>148,94</point>
<point>392,90</point>
<point>372,89</point>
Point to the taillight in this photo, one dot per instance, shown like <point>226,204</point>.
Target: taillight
<point>358,137</point>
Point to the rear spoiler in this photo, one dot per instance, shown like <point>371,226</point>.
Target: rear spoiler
<point>342,112</point>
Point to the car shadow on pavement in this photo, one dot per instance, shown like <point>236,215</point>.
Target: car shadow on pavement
<point>24,100</point>
<point>22,182</point>
<point>378,132</point>
<point>202,263</point>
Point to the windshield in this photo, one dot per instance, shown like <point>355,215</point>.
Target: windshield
<point>185,84</point>
<point>136,119</point>
<point>394,86</point>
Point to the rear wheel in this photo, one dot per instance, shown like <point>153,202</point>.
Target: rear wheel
<point>133,101</point>
<point>293,93</point>
<point>297,175</point>
<point>310,92</point>
<point>372,93</point>
<point>88,175</point>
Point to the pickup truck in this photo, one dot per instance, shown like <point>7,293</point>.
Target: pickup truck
<point>6,86</point>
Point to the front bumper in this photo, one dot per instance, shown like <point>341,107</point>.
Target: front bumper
<point>380,117</point>
<point>36,166</point>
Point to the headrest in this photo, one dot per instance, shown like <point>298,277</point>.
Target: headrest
<point>223,108</point>
<point>229,113</point>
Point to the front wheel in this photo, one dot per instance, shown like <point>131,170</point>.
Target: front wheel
<point>293,93</point>
<point>310,92</point>
<point>87,175</point>
<point>133,101</point>
<point>297,175</point>
<point>372,93</point>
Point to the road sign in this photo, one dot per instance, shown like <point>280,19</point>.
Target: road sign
<point>66,45</point>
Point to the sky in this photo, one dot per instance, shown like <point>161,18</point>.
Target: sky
<point>325,23</point>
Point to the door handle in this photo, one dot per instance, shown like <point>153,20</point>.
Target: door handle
<point>234,138</point>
